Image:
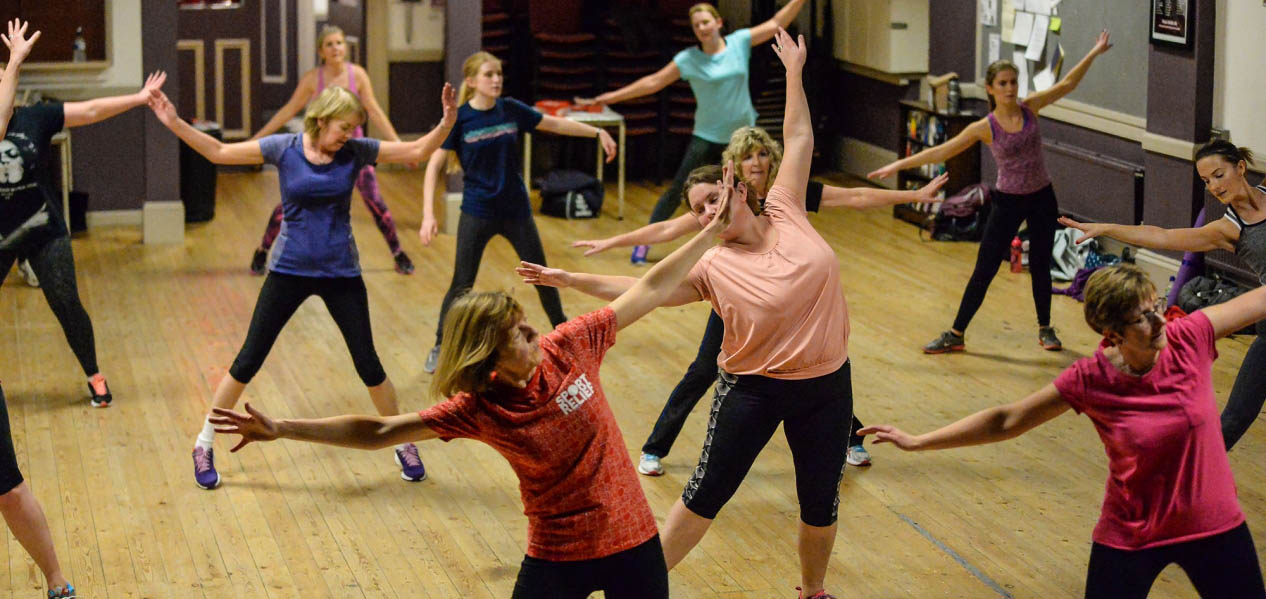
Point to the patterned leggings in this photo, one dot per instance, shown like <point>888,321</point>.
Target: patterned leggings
<point>367,184</point>
<point>54,265</point>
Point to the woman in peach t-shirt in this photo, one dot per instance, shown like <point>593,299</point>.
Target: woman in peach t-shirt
<point>784,358</point>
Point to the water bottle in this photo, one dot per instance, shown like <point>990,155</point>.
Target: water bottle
<point>1016,266</point>
<point>80,46</point>
<point>955,97</point>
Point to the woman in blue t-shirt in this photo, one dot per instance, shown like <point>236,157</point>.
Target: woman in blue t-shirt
<point>315,253</point>
<point>485,143</point>
<point>717,71</point>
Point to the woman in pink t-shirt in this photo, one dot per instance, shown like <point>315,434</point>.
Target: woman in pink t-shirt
<point>775,282</point>
<point>539,402</point>
<point>1170,496</point>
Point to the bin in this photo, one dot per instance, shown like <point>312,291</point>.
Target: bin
<point>197,178</point>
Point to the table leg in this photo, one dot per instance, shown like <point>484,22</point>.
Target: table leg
<point>620,178</point>
<point>599,161</point>
<point>527,161</point>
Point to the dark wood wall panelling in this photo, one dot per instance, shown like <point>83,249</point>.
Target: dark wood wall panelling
<point>57,21</point>
<point>238,31</point>
<point>415,87</point>
<point>279,54</point>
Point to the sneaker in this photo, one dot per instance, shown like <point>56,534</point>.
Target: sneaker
<point>259,262</point>
<point>204,474</point>
<point>100,391</point>
<point>857,456</point>
<point>1046,337</point>
<point>411,468</point>
<point>649,465</point>
<point>66,592</point>
<point>28,275</point>
<point>404,265</point>
<point>947,342</point>
<point>432,360</point>
<point>822,594</point>
<point>639,254</point>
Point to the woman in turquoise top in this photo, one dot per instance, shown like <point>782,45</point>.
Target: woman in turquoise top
<point>717,71</point>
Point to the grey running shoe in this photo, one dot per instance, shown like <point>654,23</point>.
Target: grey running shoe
<point>947,342</point>
<point>1046,336</point>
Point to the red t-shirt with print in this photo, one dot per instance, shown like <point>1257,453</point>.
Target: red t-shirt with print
<point>580,492</point>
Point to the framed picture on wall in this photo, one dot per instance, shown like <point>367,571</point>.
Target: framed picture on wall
<point>1171,23</point>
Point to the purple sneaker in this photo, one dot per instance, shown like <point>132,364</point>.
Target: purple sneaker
<point>639,254</point>
<point>411,468</point>
<point>204,474</point>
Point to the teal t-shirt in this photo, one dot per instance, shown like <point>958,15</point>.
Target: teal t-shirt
<point>723,101</point>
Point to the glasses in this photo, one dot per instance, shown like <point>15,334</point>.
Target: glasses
<point>1157,311</point>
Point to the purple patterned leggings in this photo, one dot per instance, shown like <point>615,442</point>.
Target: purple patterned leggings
<point>367,184</point>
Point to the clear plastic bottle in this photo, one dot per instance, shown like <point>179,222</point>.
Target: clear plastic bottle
<point>80,46</point>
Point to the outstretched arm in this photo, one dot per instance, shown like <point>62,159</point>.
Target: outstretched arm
<point>303,92</point>
<point>990,425</point>
<point>975,132</point>
<point>357,432</point>
<point>19,48</point>
<point>78,114</point>
<point>430,185</point>
<point>419,149</point>
<point>1042,99</point>
<point>607,287</point>
<point>1220,234</point>
<point>1229,317</point>
<point>796,125</point>
<point>642,87</point>
<point>860,198</point>
<point>660,232</point>
<point>218,152</point>
<point>561,126</point>
<point>781,19</point>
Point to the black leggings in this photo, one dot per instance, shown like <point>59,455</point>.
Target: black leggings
<point>473,235</point>
<point>694,384</point>
<point>637,573</point>
<point>10,475</point>
<point>746,412</point>
<point>281,295</point>
<point>1224,565</point>
<point>699,152</point>
<point>1042,212</point>
<point>54,265</point>
<point>1248,393</point>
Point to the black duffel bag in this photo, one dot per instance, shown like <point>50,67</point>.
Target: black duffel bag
<point>570,194</point>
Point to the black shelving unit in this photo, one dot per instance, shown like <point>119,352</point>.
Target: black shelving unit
<point>923,127</point>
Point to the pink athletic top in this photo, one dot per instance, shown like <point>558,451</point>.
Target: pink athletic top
<point>351,87</point>
<point>1169,479</point>
<point>1021,169</point>
<point>784,310</point>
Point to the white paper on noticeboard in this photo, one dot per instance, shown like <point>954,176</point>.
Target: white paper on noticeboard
<point>995,47</point>
<point>1037,43</point>
<point>1041,7</point>
<point>1023,29</point>
<point>1022,66</point>
<point>989,13</point>
<point>1007,18</point>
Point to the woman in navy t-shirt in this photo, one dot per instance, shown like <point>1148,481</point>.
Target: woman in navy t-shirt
<point>485,141</point>
<point>315,253</point>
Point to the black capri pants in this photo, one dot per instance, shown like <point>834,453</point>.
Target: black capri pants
<point>281,295</point>
<point>1223,565</point>
<point>10,475</point>
<point>815,414</point>
<point>636,573</point>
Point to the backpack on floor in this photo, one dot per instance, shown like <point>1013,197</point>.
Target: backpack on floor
<point>1067,257</point>
<point>962,217</point>
<point>570,194</point>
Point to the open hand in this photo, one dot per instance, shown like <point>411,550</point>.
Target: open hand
<point>791,52</point>
<point>252,426</point>
<point>1102,44</point>
<point>726,196</point>
<point>931,191</point>
<point>883,172</point>
<point>428,231</point>
<point>1088,230</point>
<point>890,434</point>
<point>595,246</point>
<point>19,45</point>
<point>579,101</point>
<point>153,83</point>
<point>608,144</point>
<point>535,274</point>
<point>162,107</point>
<point>448,99</point>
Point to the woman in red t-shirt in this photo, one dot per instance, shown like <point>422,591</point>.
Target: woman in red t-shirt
<point>539,402</point>
<point>1170,496</point>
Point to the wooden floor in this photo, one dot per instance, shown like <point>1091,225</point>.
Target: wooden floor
<point>299,520</point>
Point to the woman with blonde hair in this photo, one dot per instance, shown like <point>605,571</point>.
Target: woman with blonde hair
<point>1148,390</point>
<point>717,71</point>
<point>335,69</point>
<point>758,157</point>
<point>485,145</point>
<point>538,401</point>
<point>316,253</point>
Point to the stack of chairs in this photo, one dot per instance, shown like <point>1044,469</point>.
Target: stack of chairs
<point>631,52</point>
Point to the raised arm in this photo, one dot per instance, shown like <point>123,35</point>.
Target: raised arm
<point>357,432</point>
<point>976,132</point>
<point>860,198</point>
<point>422,147</point>
<point>1229,317</point>
<point>990,425</point>
<point>654,233</point>
<point>781,19</point>
<point>78,114</point>
<point>642,87</point>
<point>796,125</point>
<point>218,152</point>
<point>607,287</point>
<point>303,92</point>
<point>19,48</point>
<point>434,168</point>
<point>561,126</point>
<point>1220,234</point>
<point>1042,99</point>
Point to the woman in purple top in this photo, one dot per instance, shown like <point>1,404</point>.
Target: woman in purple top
<point>1023,191</point>
<point>336,70</point>
<point>315,253</point>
